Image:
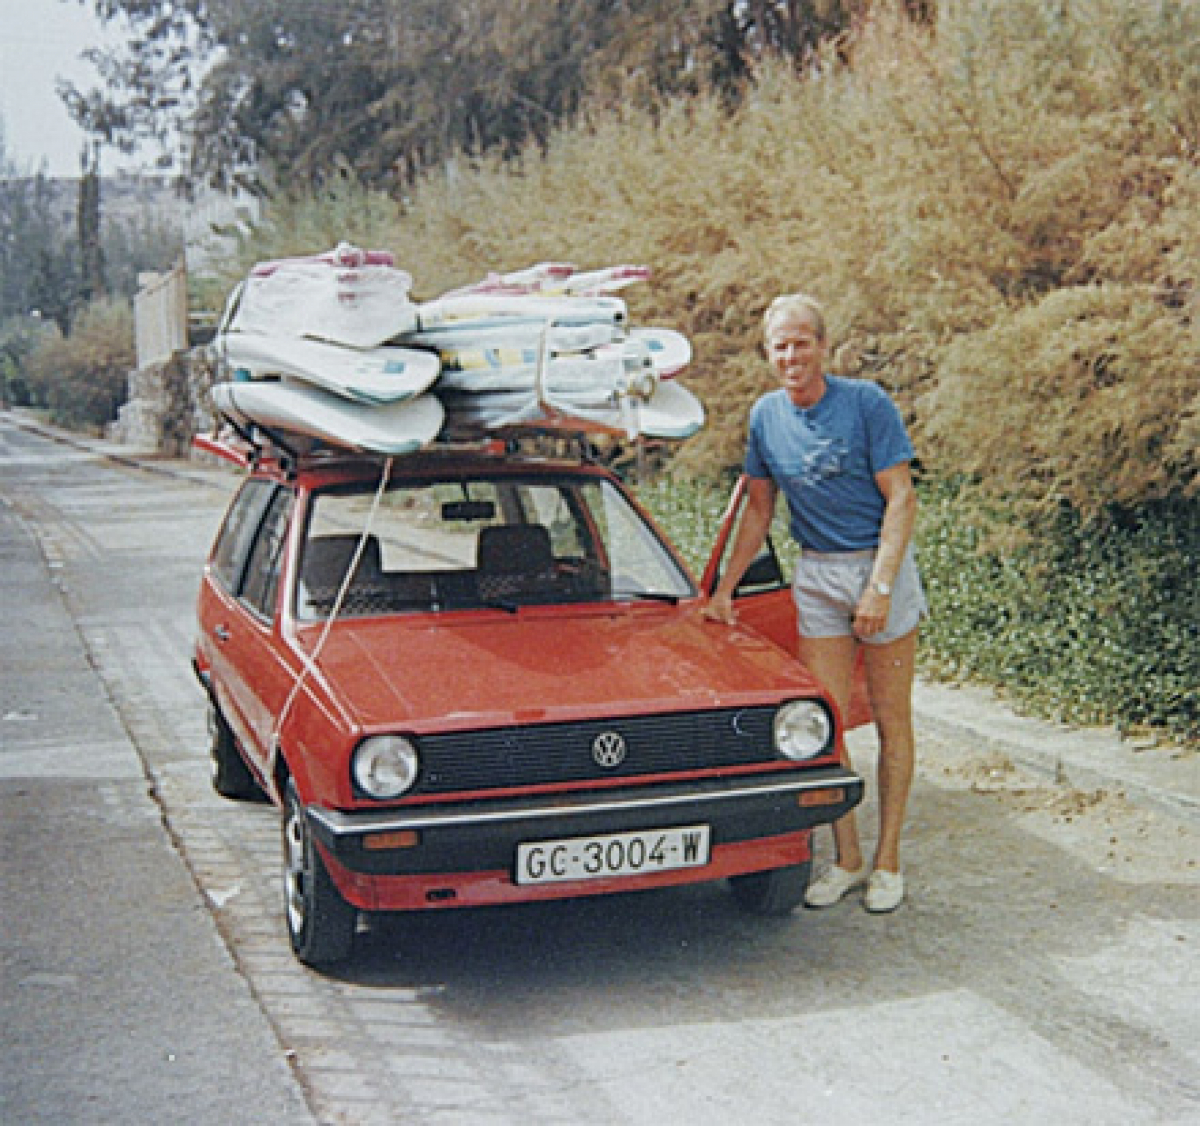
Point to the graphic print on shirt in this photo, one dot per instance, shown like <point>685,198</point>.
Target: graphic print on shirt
<point>825,459</point>
<point>822,457</point>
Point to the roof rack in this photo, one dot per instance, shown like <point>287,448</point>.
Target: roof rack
<point>253,447</point>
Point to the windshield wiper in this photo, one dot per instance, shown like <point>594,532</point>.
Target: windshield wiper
<point>501,604</point>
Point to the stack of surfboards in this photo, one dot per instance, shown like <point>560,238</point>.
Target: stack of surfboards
<point>332,348</point>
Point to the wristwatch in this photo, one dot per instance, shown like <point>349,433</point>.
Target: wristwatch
<point>882,588</point>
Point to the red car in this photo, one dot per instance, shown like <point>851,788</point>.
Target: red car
<point>470,678</point>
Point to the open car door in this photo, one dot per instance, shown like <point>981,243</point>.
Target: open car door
<point>764,599</point>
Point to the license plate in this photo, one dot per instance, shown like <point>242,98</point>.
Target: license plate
<point>620,854</point>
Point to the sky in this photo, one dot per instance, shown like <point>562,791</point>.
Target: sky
<point>40,42</point>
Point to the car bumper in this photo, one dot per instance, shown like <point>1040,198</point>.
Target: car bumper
<point>464,854</point>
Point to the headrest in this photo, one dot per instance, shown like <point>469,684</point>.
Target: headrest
<point>327,558</point>
<point>513,549</point>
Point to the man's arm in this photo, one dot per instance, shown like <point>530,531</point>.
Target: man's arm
<point>751,534</point>
<point>899,520</point>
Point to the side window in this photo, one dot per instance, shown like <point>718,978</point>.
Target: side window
<point>266,559</point>
<point>237,533</point>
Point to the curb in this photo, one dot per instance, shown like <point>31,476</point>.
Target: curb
<point>1166,778</point>
<point>180,469</point>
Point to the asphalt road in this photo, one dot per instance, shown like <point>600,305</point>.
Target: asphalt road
<point>1046,967</point>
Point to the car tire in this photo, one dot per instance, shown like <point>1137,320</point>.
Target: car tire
<point>320,922</point>
<point>231,777</point>
<point>778,892</point>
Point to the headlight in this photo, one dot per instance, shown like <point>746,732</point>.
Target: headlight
<point>385,766</point>
<point>803,729</point>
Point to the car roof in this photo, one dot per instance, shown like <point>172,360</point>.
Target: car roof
<point>319,471</point>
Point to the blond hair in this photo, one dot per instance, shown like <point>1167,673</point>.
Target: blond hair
<point>795,304</point>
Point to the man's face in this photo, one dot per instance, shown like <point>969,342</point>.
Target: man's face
<point>797,352</point>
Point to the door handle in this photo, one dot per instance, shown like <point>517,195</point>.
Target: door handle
<point>222,633</point>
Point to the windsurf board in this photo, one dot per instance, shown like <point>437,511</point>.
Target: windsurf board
<point>528,280</point>
<point>672,411</point>
<point>375,375</point>
<point>456,309</point>
<point>360,306</point>
<point>601,371</point>
<point>670,351</point>
<point>643,356</point>
<point>389,428</point>
<point>344,255</point>
<point>593,283</point>
<point>510,334</point>
<point>558,278</point>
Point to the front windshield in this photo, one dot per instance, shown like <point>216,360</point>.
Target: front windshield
<point>498,542</point>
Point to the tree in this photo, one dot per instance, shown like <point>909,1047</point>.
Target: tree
<point>389,88</point>
<point>91,251</point>
<point>38,273</point>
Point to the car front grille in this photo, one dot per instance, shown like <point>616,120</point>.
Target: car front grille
<point>544,754</point>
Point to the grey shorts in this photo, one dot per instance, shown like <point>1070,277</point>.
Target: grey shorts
<point>827,589</point>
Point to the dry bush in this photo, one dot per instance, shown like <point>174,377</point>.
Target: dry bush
<point>998,214</point>
<point>1074,397</point>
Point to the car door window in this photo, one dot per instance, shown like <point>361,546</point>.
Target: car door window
<point>237,533</point>
<point>261,582</point>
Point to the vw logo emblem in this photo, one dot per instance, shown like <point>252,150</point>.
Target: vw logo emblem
<point>608,749</point>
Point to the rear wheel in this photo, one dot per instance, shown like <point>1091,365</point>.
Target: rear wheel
<point>320,922</point>
<point>778,892</point>
<point>231,777</point>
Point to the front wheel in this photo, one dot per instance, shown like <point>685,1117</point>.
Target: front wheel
<point>778,892</point>
<point>320,922</point>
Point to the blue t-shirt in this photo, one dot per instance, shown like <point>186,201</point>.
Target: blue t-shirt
<point>824,460</point>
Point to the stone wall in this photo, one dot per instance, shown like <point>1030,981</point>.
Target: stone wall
<point>168,404</point>
<point>168,399</point>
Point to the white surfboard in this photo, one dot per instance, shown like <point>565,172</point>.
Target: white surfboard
<point>593,283</point>
<point>344,255</point>
<point>454,309</point>
<point>597,373</point>
<point>291,408</point>
<point>634,363</point>
<point>507,341</point>
<point>386,374</point>
<point>672,411</point>
<point>361,306</point>
<point>558,278</point>
<point>495,350</point>
<point>670,351</point>
<point>528,280</point>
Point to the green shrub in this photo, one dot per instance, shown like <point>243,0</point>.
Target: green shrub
<point>1085,622</point>
<point>19,339</point>
<point>83,378</point>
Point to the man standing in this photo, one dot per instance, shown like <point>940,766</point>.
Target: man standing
<point>838,451</point>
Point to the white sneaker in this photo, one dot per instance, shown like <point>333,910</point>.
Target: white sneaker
<point>885,891</point>
<point>833,885</point>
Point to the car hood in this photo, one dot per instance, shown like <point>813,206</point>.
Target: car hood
<point>541,665</point>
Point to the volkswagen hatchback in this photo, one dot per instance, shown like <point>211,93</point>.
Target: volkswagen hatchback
<point>473,678</point>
